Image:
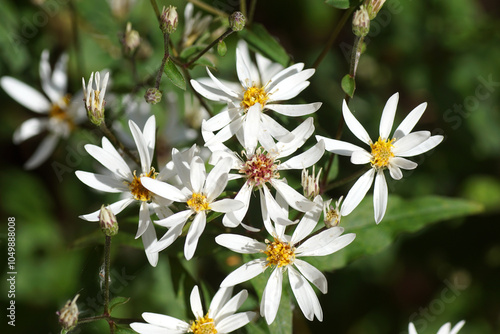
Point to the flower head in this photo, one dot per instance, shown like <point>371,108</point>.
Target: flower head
<point>131,39</point>
<point>220,318</point>
<point>108,222</point>
<point>68,315</point>
<point>310,183</point>
<point>237,21</point>
<point>361,22</point>
<point>169,19</point>
<point>385,153</point>
<point>94,98</point>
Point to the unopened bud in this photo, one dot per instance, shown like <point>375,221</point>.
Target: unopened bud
<point>94,98</point>
<point>68,315</point>
<point>153,95</point>
<point>310,183</point>
<point>108,222</point>
<point>169,19</point>
<point>361,22</point>
<point>237,21</point>
<point>221,48</point>
<point>332,215</point>
<point>131,39</point>
<point>373,7</point>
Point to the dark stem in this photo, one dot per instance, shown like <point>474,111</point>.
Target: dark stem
<point>209,8</point>
<point>157,11</point>
<point>211,45</point>
<point>166,55</point>
<point>76,38</point>
<point>346,179</point>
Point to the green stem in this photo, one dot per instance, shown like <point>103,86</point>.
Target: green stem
<point>243,7</point>
<point>209,8</point>
<point>252,11</point>
<point>211,45</point>
<point>333,36</point>
<point>166,55</point>
<point>346,179</point>
<point>107,265</point>
<point>156,9</point>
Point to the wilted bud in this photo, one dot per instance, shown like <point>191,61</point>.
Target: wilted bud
<point>131,39</point>
<point>68,315</point>
<point>94,98</point>
<point>237,21</point>
<point>169,19</point>
<point>361,22</point>
<point>310,184</point>
<point>332,215</point>
<point>153,95</point>
<point>108,222</point>
<point>373,7</point>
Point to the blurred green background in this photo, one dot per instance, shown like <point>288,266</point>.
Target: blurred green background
<point>444,52</point>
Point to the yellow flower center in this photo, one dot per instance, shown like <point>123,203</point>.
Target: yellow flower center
<point>254,95</point>
<point>381,152</point>
<point>137,189</point>
<point>204,325</point>
<point>59,110</point>
<point>279,253</point>
<point>198,202</point>
<point>332,218</point>
<point>260,168</point>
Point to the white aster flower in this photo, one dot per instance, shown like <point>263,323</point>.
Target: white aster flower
<point>194,26</point>
<point>63,112</point>
<point>220,318</point>
<point>265,84</point>
<point>261,168</point>
<point>445,329</point>
<point>332,215</point>
<point>199,191</point>
<point>282,255</point>
<point>123,180</point>
<point>94,98</point>
<point>385,153</point>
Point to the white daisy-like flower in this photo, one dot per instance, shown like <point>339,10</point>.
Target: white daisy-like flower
<point>261,168</point>
<point>94,97</point>
<point>385,153</point>
<point>127,182</point>
<point>194,25</point>
<point>199,191</point>
<point>282,254</point>
<point>332,215</point>
<point>220,318</point>
<point>445,329</point>
<point>63,112</point>
<point>266,84</point>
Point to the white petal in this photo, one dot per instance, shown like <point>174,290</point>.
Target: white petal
<point>25,95</point>
<point>101,182</point>
<point>142,146</point>
<point>226,132</point>
<point>165,321</point>
<point>43,151</point>
<point>240,244</point>
<point>267,68</point>
<point>395,171</point>
<point>116,165</point>
<point>198,174</point>
<point>217,178</point>
<point>360,157</point>
<point>221,297</point>
<point>149,241</point>
<point>143,328</point>
<point>220,185</point>
<point>233,219</point>
<point>271,209</point>
<point>301,134</point>
<point>144,219</point>
<point>195,301</point>
<point>229,307</point>
<point>291,86</point>
<point>175,219</point>
<point>210,93</point>
<point>379,196</point>
<point>445,329</point>
<point>251,126</point>
<point>412,329</point>
<point>283,74</point>
<point>221,86</point>
<point>59,76</point>
<point>457,327</point>
<point>149,134</point>
<point>273,128</point>
<point>245,68</point>
<point>30,128</point>
<point>427,145</point>
<point>116,208</point>
<point>410,121</point>
<point>338,146</point>
<point>220,120</point>
<point>314,276</point>
<point>354,125</point>
<point>163,189</point>
<point>308,222</point>
<point>168,238</point>
<point>305,159</point>
<point>357,192</point>
<point>292,197</point>
<point>409,142</point>
<point>182,167</point>
<point>195,230</point>
<point>325,243</point>
<point>244,273</point>
<point>227,205</point>
<point>403,163</point>
<point>388,114</point>
<point>235,321</point>
<point>305,295</point>
<point>294,110</point>
<point>271,296</point>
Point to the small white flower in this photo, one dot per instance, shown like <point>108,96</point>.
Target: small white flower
<point>445,329</point>
<point>94,98</point>
<point>310,183</point>
<point>194,26</point>
<point>63,112</point>
<point>332,215</point>
<point>199,191</point>
<point>261,168</point>
<point>123,180</point>
<point>265,85</point>
<point>385,153</point>
<point>220,318</point>
<point>282,255</point>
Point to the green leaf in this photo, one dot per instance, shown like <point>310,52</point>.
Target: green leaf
<point>204,62</point>
<point>401,216</point>
<point>260,39</point>
<point>348,85</point>
<point>190,51</point>
<point>342,4</point>
<point>334,170</point>
<point>174,74</point>
<point>116,302</point>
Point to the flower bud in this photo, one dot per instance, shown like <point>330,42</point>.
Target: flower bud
<point>131,39</point>
<point>221,48</point>
<point>169,19</point>
<point>373,7</point>
<point>361,22</point>
<point>153,95</point>
<point>68,315</point>
<point>94,98</point>
<point>310,184</point>
<point>108,222</point>
<point>237,21</point>
<point>332,215</point>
